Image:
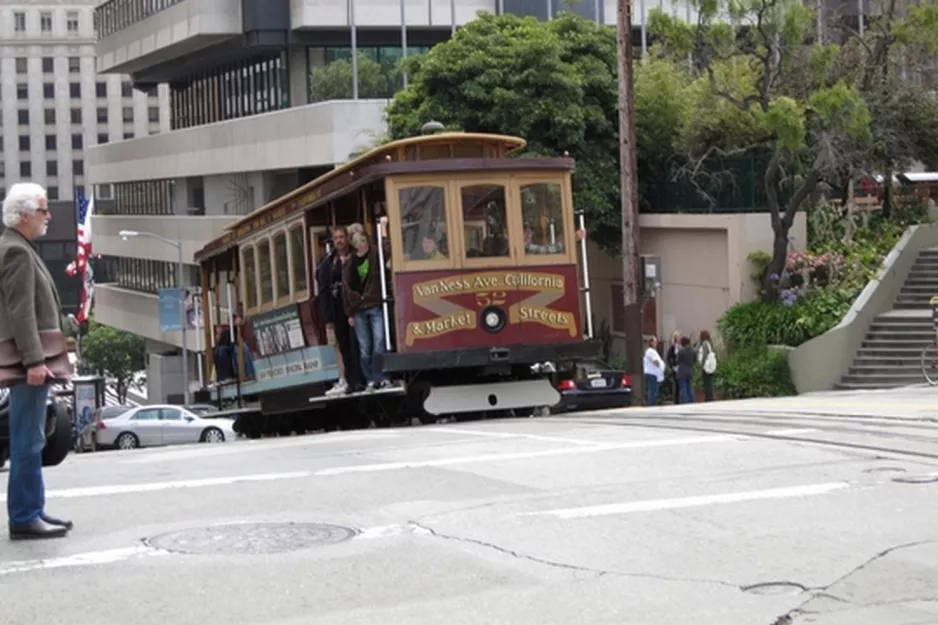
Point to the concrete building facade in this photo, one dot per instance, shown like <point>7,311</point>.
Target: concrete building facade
<point>55,106</point>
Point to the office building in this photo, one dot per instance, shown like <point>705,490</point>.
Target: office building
<point>54,104</point>
<point>252,116</point>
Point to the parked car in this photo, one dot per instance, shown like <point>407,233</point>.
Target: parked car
<point>58,430</point>
<point>593,385</point>
<point>157,425</point>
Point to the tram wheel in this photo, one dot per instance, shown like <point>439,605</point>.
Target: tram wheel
<point>417,394</point>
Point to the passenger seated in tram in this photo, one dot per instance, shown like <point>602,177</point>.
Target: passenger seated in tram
<point>225,354</point>
<point>434,246</point>
<point>361,291</point>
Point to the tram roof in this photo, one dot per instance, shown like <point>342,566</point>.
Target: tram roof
<point>374,164</point>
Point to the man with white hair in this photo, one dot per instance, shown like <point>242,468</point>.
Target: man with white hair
<point>30,329</point>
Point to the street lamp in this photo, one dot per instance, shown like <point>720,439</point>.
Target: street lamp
<point>131,234</point>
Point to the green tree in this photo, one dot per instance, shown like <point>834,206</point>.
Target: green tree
<point>334,81</point>
<point>552,83</point>
<point>113,354</point>
<point>821,114</point>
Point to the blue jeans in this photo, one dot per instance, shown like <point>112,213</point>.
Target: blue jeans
<point>686,388</point>
<point>26,494</point>
<point>369,330</point>
<point>651,388</point>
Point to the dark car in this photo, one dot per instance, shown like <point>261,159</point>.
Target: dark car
<point>58,430</point>
<point>593,385</point>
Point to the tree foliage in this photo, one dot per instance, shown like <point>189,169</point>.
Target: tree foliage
<point>822,113</point>
<point>113,354</point>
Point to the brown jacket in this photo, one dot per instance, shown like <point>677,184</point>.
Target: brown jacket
<point>358,295</point>
<point>29,301</point>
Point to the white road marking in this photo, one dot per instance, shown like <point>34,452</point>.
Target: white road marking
<point>118,489</point>
<point>530,437</point>
<point>524,455</point>
<point>791,432</point>
<point>653,505</point>
<point>204,451</point>
<point>93,558</point>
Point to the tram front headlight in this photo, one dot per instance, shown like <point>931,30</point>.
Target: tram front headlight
<point>492,320</point>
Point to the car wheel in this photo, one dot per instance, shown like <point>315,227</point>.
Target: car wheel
<point>213,435</point>
<point>59,443</point>
<point>127,440</point>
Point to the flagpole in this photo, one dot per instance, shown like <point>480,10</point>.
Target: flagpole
<point>404,36</point>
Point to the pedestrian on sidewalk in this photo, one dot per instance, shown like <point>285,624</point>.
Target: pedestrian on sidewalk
<point>33,354</point>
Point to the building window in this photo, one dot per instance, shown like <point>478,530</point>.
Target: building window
<point>74,90</point>
<point>78,168</point>
<point>128,114</point>
<point>24,143</point>
<point>127,90</point>
<point>76,116</point>
<point>128,135</point>
<point>153,114</point>
<point>77,142</point>
<point>48,91</point>
<point>52,193</point>
<point>49,115</point>
<point>151,197</point>
<point>22,118</point>
<point>102,138</point>
<point>148,276</point>
<point>19,22</point>
<point>45,22</point>
<point>26,169</point>
<point>52,168</point>
<point>102,114</point>
<point>22,92</point>
<point>22,65</point>
<point>51,142</point>
<point>71,21</point>
<point>48,64</point>
<point>74,65</point>
<point>251,87</point>
<point>100,89</point>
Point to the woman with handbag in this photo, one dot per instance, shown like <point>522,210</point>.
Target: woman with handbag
<point>33,354</point>
<point>707,358</point>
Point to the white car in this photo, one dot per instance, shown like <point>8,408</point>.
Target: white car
<point>152,426</point>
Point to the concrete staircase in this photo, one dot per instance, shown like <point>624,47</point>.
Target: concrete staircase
<point>890,355</point>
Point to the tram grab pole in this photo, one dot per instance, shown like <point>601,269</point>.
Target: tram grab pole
<point>585,289</point>
<point>384,289</point>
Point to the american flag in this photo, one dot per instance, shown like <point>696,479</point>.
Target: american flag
<point>81,265</point>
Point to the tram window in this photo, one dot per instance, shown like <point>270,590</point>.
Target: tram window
<point>542,212</point>
<point>298,257</point>
<point>282,257</point>
<point>485,221</point>
<point>423,223</point>
<point>250,277</point>
<point>265,277</point>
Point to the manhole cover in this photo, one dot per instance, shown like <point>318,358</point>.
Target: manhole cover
<point>916,479</point>
<point>775,588</point>
<point>251,539</point>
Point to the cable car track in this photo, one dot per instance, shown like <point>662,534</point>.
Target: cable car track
<point>677,423</point>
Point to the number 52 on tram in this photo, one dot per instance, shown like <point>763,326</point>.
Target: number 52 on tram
<point>482,298</point>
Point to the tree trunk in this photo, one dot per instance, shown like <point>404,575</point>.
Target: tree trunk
<point>631,263</point>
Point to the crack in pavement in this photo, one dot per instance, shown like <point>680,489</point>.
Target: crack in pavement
<point>567,566</point>
<point>824,591</point>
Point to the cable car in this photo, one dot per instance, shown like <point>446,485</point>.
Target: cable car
<point>481,289</point>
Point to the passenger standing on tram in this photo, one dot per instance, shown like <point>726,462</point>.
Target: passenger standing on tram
<point>361,288</point>
<point>332,309</point>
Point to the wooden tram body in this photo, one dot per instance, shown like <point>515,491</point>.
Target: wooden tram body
<point>482,290</point>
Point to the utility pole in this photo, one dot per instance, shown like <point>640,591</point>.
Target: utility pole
<point>631,280</point>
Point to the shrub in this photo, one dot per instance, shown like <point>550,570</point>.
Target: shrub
<point>754,372</point>
<point>754,324</point>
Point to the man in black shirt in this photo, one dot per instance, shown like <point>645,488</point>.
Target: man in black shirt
<point>332,310</point>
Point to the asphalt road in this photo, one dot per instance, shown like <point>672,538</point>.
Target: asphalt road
<point>820,510</point>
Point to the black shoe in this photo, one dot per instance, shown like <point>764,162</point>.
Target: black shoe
<point>37,530</point>
<point>51,520</point>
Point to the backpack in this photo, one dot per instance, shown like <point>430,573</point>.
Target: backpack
<point>710,362</point>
